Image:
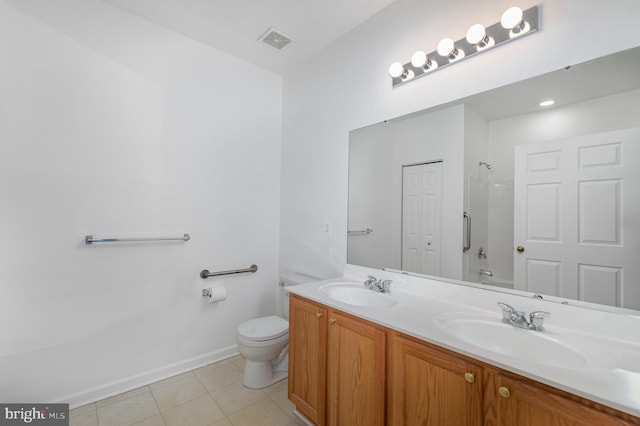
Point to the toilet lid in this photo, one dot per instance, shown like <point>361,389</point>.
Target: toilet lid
<point>265,328</point>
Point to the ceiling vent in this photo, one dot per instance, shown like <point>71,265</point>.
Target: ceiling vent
<point>275,38</point>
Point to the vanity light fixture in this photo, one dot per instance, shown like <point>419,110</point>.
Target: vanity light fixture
<point>514,24</point>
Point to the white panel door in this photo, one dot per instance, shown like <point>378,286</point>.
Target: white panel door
<point>578,226</point>
<point>422,218</point>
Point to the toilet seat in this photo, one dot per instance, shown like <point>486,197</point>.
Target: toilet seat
<point>262,329</point>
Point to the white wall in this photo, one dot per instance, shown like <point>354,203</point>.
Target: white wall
<point>435,136</point>
<point>112,126</point>
<point>371,195</point>
<point>347,87</point>
<point>377,155</point>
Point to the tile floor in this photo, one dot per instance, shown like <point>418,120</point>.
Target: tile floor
<point>209,396</point>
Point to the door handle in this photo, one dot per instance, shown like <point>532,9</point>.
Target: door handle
<point>520,249</point>
<point>467,219</point>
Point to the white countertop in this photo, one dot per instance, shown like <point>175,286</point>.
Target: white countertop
<point>609,341</point>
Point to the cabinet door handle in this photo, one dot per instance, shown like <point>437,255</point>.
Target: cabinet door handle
<point>318,315</point>
<point>504,392</point>
<point>332,321</point>
<point>469,377</point>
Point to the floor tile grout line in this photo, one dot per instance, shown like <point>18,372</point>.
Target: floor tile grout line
<point>234,365</point>
<point>157,406</point>
<point>233,384</point>
<point>184,403</point>
<point>133,396</point>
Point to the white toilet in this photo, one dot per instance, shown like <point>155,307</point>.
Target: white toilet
<point>264,343</point>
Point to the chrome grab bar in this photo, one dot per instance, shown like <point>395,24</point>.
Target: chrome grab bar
<point>467,218</point>
<point>206,274</point>
<point>360,232</point>
<point>89,239</point>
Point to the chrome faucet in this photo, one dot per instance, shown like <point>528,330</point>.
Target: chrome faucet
<point>380,286</point>
<point>486,272</point>
<point>518,318</point>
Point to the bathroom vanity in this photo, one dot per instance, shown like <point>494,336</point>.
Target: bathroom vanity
<point>421,355</point>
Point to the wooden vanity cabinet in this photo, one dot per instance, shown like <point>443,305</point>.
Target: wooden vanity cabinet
<point>430,386</point>
<point>346,371</point>
<point>307,358</point>
<point>336,366</point>
<point>355,371</point>
<point>523,402</point>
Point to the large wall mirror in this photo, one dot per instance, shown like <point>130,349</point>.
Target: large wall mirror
<point>500,191</point>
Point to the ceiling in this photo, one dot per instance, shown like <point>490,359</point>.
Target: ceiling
<point>599,77</point>
<point>236,26</point>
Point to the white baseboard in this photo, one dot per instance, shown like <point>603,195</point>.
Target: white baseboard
<point>144,378</point>
<point>302,417</point>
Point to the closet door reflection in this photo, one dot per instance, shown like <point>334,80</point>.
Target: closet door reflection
<point>422,218</point>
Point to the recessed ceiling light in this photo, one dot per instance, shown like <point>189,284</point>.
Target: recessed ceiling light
<point>547,103</point>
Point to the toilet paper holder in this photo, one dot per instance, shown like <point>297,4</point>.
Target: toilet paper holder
<point>215,294</point>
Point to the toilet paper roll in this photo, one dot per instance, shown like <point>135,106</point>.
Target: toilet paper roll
<point>217,294</point>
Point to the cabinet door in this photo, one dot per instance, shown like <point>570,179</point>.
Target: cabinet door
<point>434,387</point>
<point>524,405</point>
<point>307,358</point>
<point>356,372</point>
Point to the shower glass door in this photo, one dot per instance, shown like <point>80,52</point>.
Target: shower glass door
<point>490,205</point>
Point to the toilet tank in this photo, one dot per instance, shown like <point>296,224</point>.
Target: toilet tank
<point>288,281</point>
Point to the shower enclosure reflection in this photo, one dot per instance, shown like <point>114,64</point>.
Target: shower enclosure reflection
<point>490,204</point>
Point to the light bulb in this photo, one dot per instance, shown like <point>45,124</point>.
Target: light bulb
<point>396,70</point>
<point>547,103</point>
<point>476,33</point>
<point>446,47</point>
<point>419,59</point>
<point>511,18</point>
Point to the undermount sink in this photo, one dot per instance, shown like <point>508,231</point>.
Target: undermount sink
<point>357,294</point>
<point>493,335</point>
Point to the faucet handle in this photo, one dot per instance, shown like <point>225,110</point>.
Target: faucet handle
<point>536,319</point>
<point>507,311</point>
<point>370,280</point>
<point>386,286</point>
<point>506,308</point>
